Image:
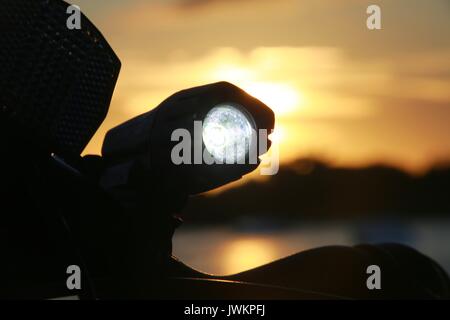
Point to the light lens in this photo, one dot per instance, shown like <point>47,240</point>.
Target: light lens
<point>227,133</point>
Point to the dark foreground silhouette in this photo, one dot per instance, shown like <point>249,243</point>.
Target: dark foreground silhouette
<point>55,216</point>
<point>55,90</point>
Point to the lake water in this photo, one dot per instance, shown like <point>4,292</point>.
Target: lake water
<point>228,249</point>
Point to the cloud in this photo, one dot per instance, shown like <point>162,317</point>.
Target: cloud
<point>155,28</point>
<point>202,3</point>
<point>339,88</point>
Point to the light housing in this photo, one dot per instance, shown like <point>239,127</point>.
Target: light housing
<point>138,152</point>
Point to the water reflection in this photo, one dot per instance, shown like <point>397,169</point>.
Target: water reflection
<point>246,253</point>
<point>226,250</point>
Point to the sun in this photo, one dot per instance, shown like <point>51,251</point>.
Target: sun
<point>281,98</point>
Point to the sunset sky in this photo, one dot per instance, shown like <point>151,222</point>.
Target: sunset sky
<point>339,91</point>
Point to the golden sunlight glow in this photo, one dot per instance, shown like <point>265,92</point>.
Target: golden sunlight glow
<point>247,253</point>
<point>278,134</point>
<point>326,104</point>
<point>281,98</point>
<point>229,72</point>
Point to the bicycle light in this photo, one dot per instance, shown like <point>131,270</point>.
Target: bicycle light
<point>194,141</point>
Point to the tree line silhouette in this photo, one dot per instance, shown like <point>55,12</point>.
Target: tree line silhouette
<point>311,189</point>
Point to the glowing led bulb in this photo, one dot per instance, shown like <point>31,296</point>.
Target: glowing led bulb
<point>227,133</point>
